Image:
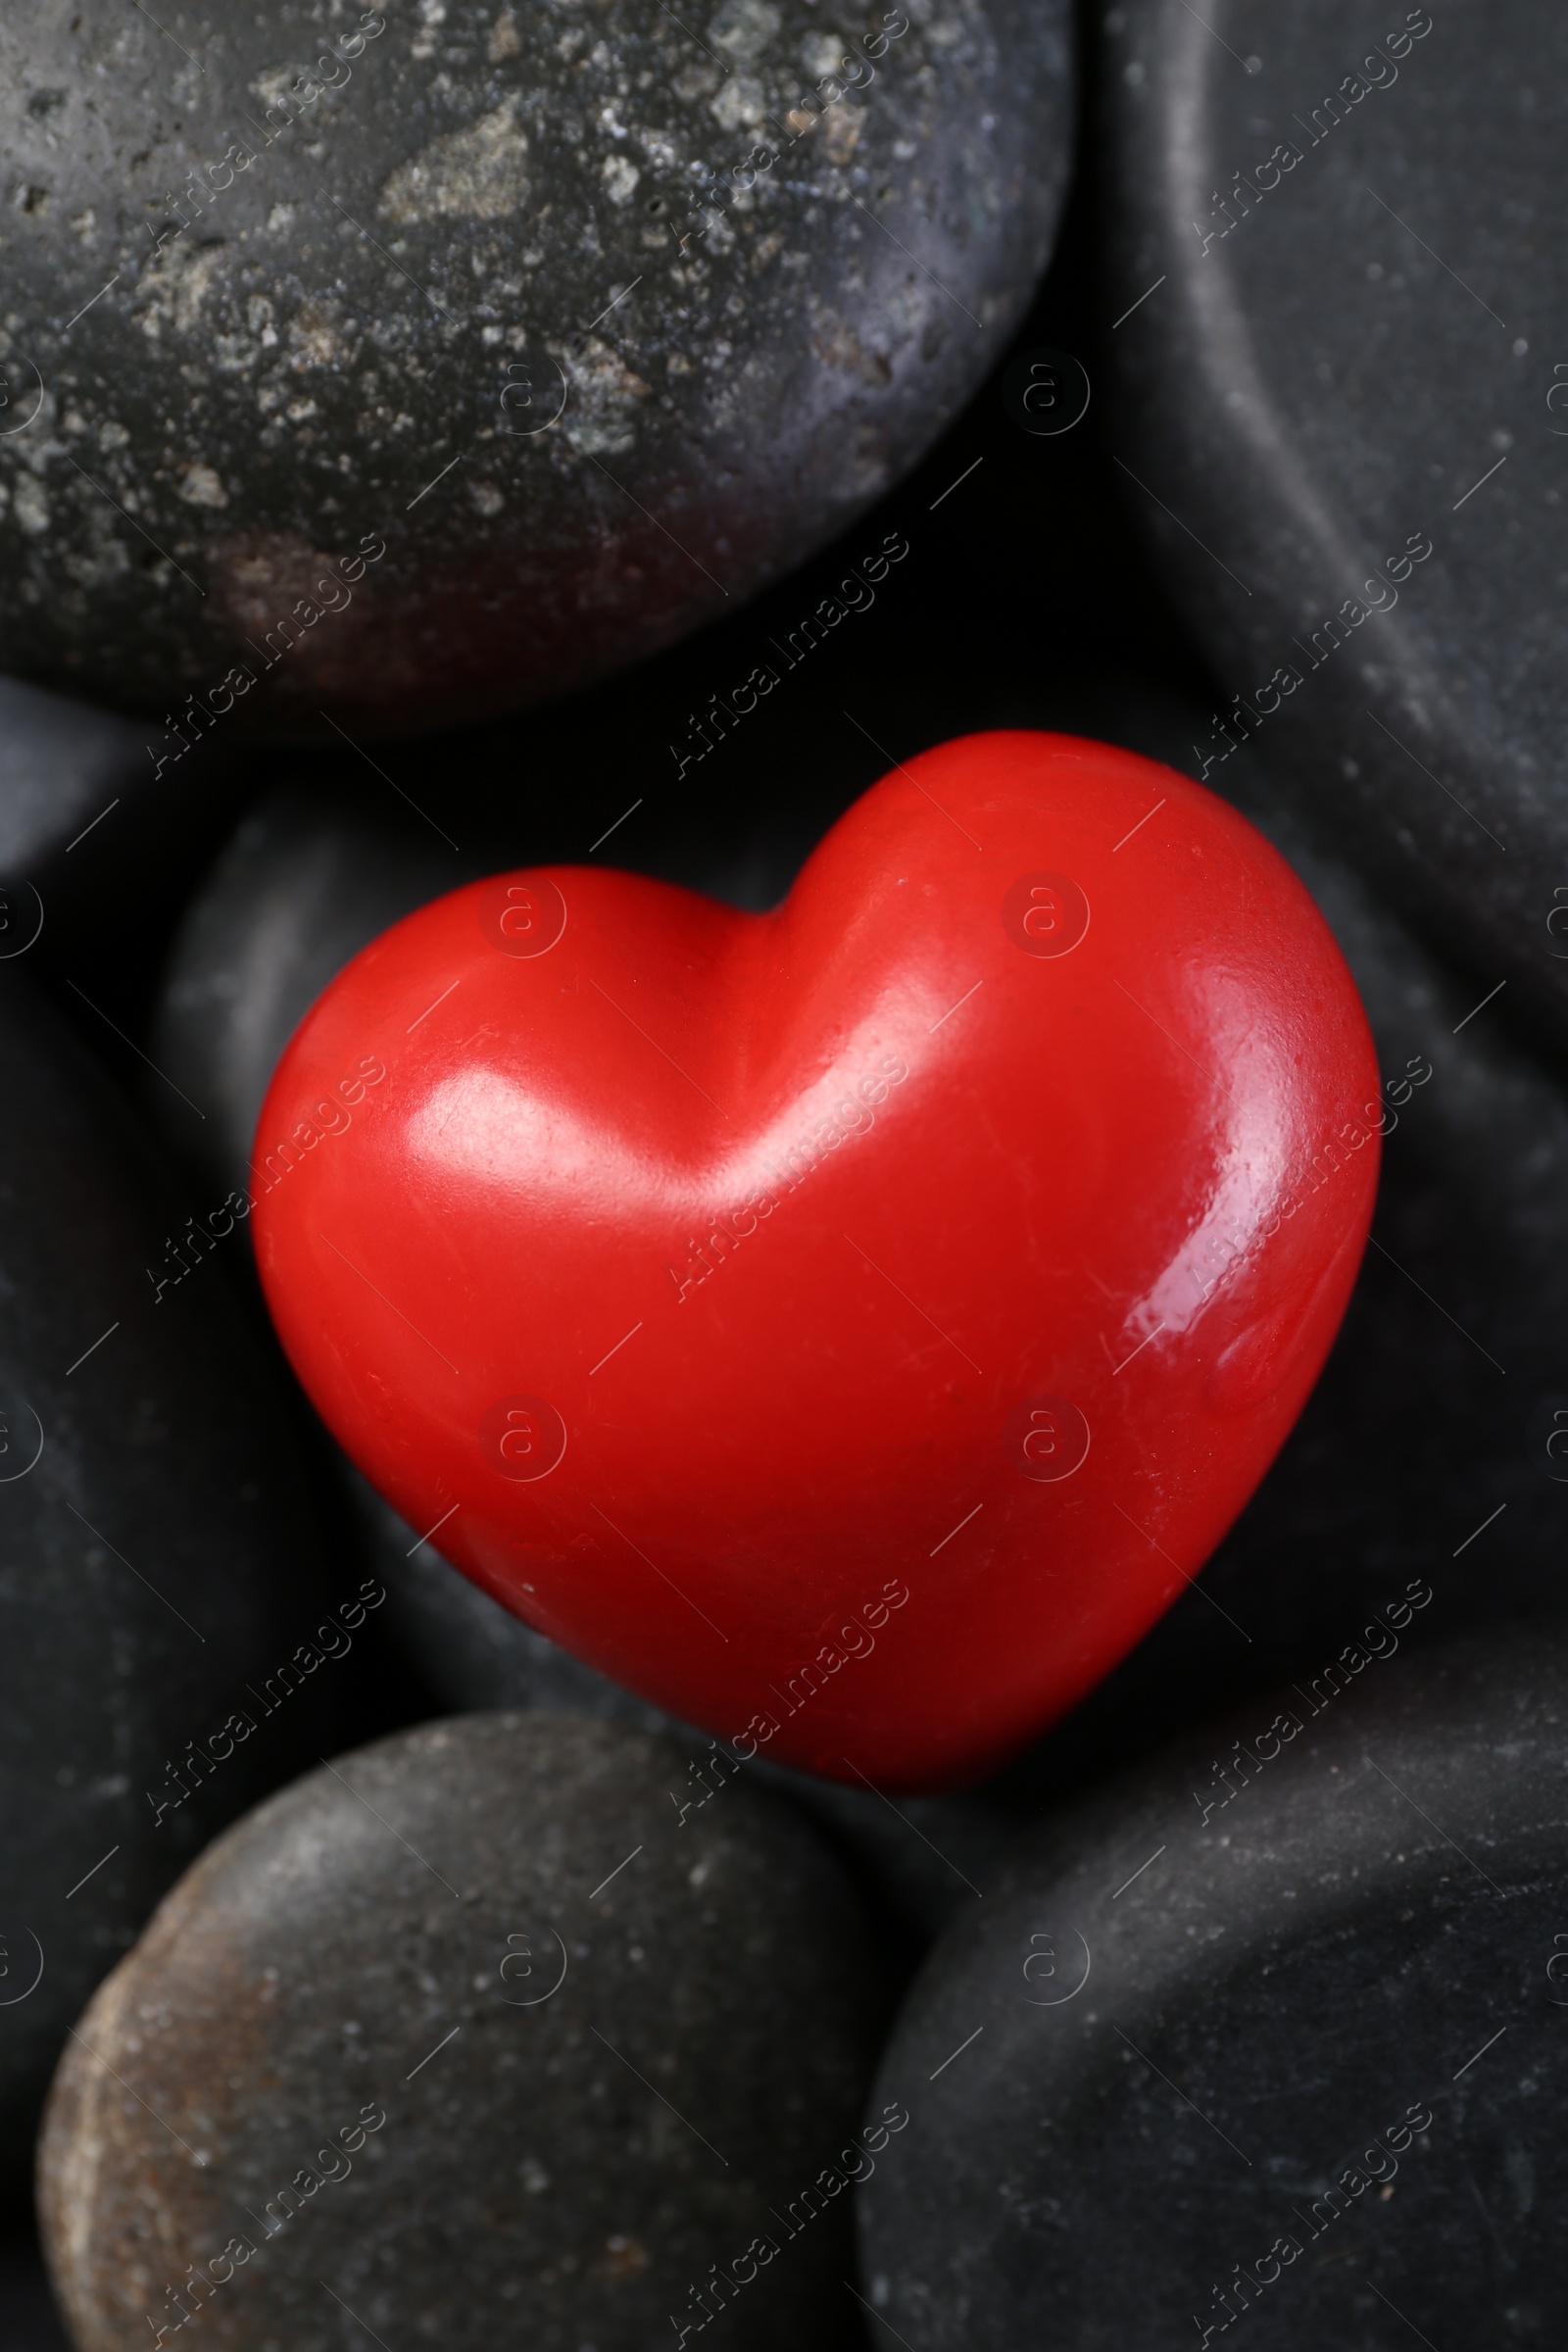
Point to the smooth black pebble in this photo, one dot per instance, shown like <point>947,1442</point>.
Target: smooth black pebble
<point>96,854</point>
<point>160,1571</point>
<point>384,369</point>
<point>468,2035</point>
<point>62,766</point>
<point>1342,418</point>
<point>1281,2021</point>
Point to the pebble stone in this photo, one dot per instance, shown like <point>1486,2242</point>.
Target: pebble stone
<point>96,857</point>
<point>543,2061</point>
<point>158,1565</point>
<point>401,367</point>
<point>1342,417</point>
<point>1278,2023</point>
<point>61,766</point>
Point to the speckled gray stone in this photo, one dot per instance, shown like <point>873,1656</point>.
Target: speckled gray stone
<point>157,1551</point>
<point>398,366</point>
<point>1282,2025</point>
<point>608,2050</point>
<point>1348,352</point>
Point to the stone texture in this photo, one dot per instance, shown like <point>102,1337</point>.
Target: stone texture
<point>1347,353</point>
<point>158,1551</point>
<point>703,2025</point>
<point>1290,2035</point>
<point>296,290</point>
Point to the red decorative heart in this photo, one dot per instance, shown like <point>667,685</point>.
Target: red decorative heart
<point>849,1326</point>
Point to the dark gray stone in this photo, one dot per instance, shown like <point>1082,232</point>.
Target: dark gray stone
<point>400,368</point>
<point>606,2052</point>
<point>1347,354</point>
<point>96,857</point>
<point>61,764</point>
<point>1281,2024</point>
<point>157,1560</point>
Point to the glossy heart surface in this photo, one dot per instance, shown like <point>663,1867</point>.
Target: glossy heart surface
<point>849,1326</point>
